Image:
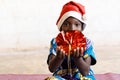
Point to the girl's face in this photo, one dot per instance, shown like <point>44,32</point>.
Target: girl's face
<point>71,23</point>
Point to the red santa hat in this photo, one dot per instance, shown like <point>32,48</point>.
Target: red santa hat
<point>71,9</point>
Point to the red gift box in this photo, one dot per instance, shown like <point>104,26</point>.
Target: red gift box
<point>68,41</point>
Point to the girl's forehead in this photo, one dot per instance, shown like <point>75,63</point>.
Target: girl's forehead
<point>72,19</point>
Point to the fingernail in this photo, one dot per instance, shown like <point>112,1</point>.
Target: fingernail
<point>62,50</point>
<point>74,49</point>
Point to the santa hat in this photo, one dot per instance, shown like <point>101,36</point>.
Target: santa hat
<point>71,9</point>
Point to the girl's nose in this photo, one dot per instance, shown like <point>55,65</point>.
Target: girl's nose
<point>72,27</point>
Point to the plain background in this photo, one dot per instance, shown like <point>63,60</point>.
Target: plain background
<point>32,23</point>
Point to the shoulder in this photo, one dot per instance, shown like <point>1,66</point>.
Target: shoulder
<point>88,42</point>
<point>52,40</point>
<point>53,45</point>
<point>90,51</point>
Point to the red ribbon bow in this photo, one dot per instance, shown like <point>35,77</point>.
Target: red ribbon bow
<point>71,38</point>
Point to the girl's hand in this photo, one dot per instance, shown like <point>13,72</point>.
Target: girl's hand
<point>56,61</point>
<point>77,53</point>
<point>60,53</point>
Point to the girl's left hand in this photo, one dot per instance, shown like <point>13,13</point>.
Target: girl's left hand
<point>77,53</point>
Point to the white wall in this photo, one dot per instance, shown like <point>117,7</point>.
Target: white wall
<point>104,21</point>
<point>32,23</point>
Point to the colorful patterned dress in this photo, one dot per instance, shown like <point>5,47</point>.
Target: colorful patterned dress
<point>76,75</point>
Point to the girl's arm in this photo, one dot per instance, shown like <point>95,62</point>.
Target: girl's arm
<point>56,61</point>
<point>82,64</point>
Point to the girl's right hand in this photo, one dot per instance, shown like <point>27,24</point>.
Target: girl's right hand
<point>60,53</point>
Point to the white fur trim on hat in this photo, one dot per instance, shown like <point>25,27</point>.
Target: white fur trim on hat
<point>72,14</point>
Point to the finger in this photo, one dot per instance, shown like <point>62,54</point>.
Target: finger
<point>57,48</point>
<point>82,50</point>
<point>60,54</point>
<point>57,51</point>
<point>78,52</point>
<point>74,53</point>
<point>63,54</point>
<point>61,51</point>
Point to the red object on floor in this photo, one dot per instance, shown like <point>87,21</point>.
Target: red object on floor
<point>106,76</point>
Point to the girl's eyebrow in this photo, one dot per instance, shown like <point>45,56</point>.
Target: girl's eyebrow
<point>66,22</point>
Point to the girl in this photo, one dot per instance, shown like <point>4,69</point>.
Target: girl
<point>71,18</point>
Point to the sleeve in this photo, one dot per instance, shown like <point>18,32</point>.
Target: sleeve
<point>90,52</point>
<point>52,49</point>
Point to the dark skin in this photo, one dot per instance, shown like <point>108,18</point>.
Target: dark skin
<point>56,60</point>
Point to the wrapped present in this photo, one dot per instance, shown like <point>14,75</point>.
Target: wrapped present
<point>68,41</point>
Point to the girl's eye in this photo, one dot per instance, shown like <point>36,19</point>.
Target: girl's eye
<point>66,24</point>
<point>77,24</point>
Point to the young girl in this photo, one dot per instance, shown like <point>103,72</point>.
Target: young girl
<point>71,18</point>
